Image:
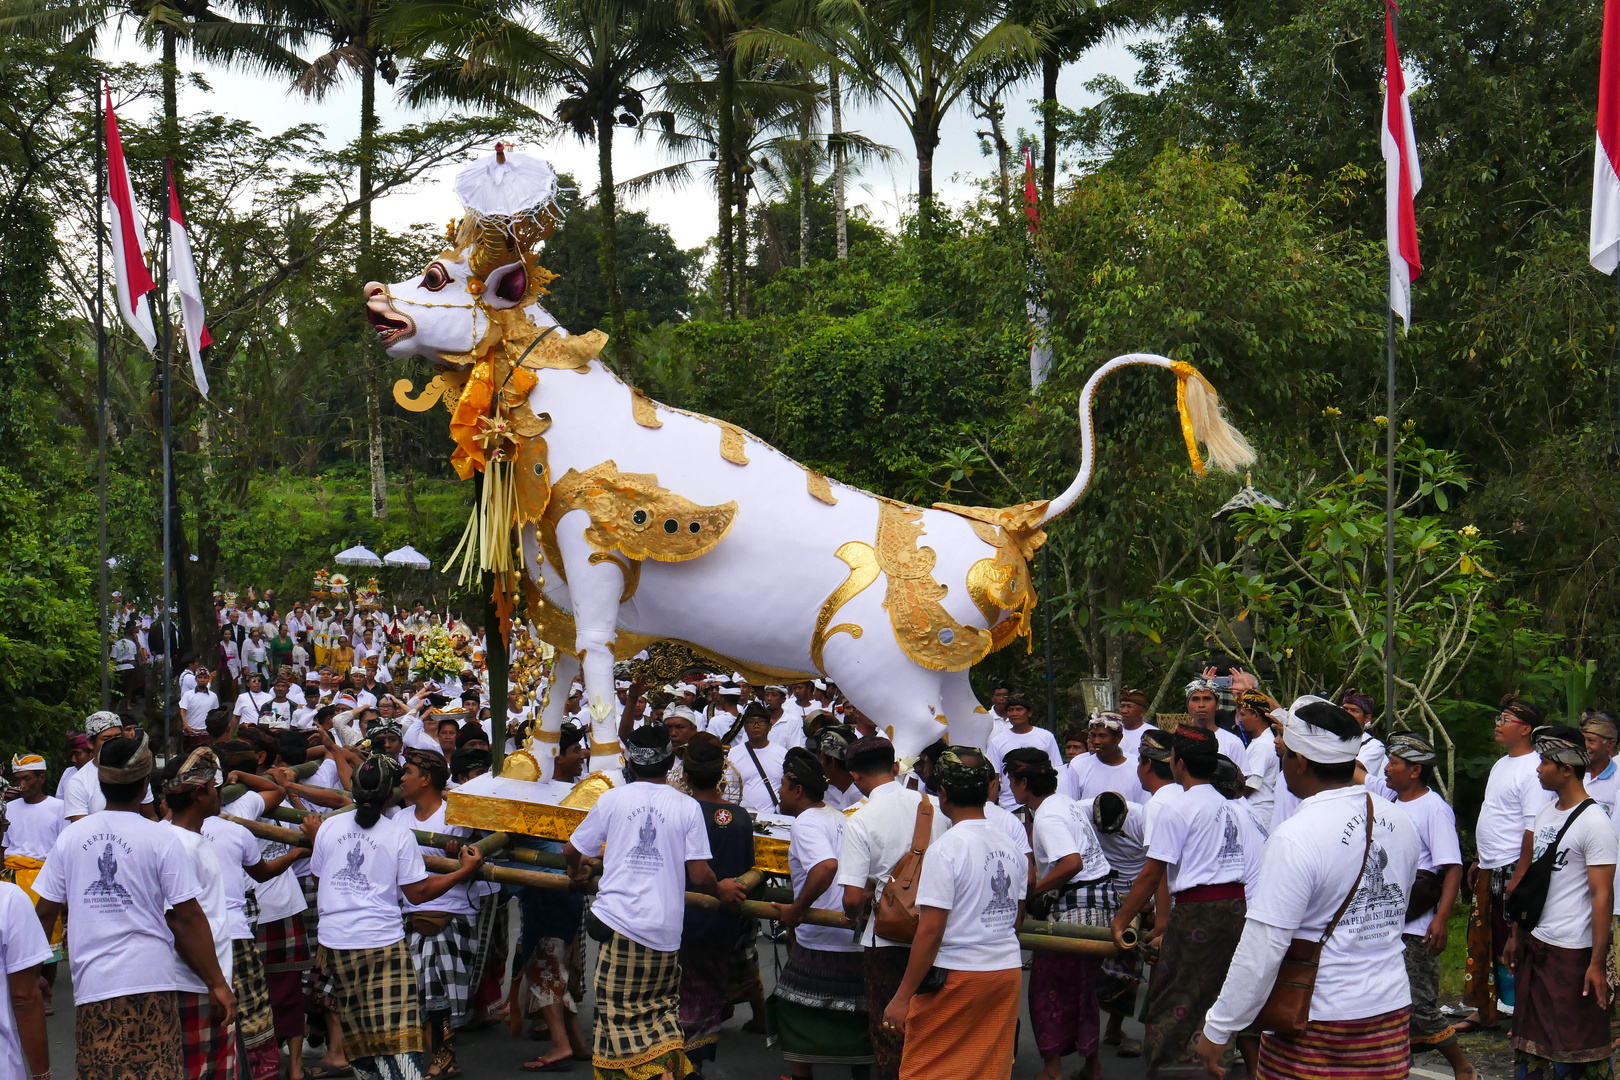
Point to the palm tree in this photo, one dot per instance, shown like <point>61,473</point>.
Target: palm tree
<point>592,58</point>
<point>920,56</point>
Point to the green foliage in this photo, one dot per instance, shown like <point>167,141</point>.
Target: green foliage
<point>656,276</point>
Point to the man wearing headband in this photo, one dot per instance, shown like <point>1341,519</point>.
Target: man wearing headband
<point>970,903</point>
<point>34,821</point>
<point>1407,772</point>
<point>1261,769</point>
<point>195,705</point>
<point>1020,714</point>
<point>682,724</point>
<point>1358,1023</point>
<point>1197,844</point>
<point>116,873</point>
<point>1513,797</point>
<point>1204,706</point>
<point>1600,730</point>
<point>1372,754</point>
<point>83,796</point>
<point>831,745</point>
<point>79,755</point>
<point>1106,767</point>
<point>724,698</point>
<point>1133,707</point>
<point>877,835</point>
<point>757,760</point>
<point>1561,1021</point>
<point>819,1005</point>
<point>653,844</point>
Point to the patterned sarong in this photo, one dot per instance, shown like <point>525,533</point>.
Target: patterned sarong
<point>638,1012</point>
<point>706,972</point>
<point>1194,954</point>
<point>1376,1048</point>
<point>311,915</point>
<point>1430,1028</point>
<point>1063,990</point>
<point>283,945</point>
<point>965,1031</point>
<point>209,1048</point>
<point>253,1014</point>
<point>134,1037</point>
<point>1487,937</point>
<point>444,963</point>
<point>818,1010</point>
<point>1552,1019</point>
<point>546,976</point>
<point>884,968</point>
<point>375,993</point>
<point>21,870</point>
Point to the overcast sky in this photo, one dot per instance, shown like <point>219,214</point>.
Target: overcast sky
<point>689,213</point>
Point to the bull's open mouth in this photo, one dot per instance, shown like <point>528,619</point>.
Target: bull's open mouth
<point>390,327</point>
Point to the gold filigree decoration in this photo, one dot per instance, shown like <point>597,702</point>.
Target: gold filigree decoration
<point>444,387</point>
<point>644,409</point>
<point>632,515</point>
<point>1002,584</point>
<point>819,488</point>
<point>630,568</point>
<point>531,477</point>
<point>925,630</point>
<point>520,765</point>
<point>863,570</point>
<point>1022,522</point>
<point>733,447</point>
<point>589,789</point>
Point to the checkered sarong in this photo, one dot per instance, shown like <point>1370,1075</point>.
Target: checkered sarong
<point>311,914</point>
<point>253,1015</point>
<point>375,992</point>
<point>638,1011</point>
<point>490,925</point>
<point>282,944</point>
<point>209,1049</point>
<point>444,967</point>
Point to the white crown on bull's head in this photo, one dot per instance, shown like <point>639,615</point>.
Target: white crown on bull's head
<point>511,208</point>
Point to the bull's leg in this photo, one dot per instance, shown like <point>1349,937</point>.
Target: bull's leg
<point>970,723</point>
<point>901,698</point>
<point>595,589</point>
<point>544,746</point>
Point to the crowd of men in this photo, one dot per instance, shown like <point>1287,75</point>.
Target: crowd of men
<point>1291,877</point>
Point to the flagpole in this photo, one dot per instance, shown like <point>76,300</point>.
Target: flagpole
<point>101,398</point>
<point>1389,479</point>
<point>168,460</point>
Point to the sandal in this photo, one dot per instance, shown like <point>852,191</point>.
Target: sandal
<point>540,1065</point>
<point>1472,1024</point>
<point>1129,1048</point>
<point>322,1071</point>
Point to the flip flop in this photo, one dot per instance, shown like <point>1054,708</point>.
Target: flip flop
<point>543,1066</point>
<point>1129,1048</point>
<point>1473,1023</point>
<point>322,1071</point>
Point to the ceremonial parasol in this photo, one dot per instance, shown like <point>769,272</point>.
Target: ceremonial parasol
<point>359,555</point>
<point>409,558</point>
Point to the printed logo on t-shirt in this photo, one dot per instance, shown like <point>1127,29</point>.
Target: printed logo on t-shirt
<point>1543,840</point>
<point>351,878</point>
<point>1002,910</point>
<point>105,895</point>
<point>645,855</point>
<point>1231,853</point>
<point>722,817</point>
<point>1380,904</point>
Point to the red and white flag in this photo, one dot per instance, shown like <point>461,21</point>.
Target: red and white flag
<point>1605,249</point>
<point>1040,340</point>
<point>183,271</point>
<point>130,274</point>
<point>1404,180</point>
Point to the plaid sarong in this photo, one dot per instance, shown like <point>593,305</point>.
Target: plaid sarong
<point>638,1012</point>
<point>375,993</point>
<point>1376,1048</point>
<point>444,963</point>
<point>311,913</point>
<point>490,925</point>
<point>282,945</point>
<point>248,983</point>
<point>208,1047</point>
<point>136,1035</point>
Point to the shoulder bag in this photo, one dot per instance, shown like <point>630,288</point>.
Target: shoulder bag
<point>896,915</point>
<point>776,806</point>
<point>1529,896</point>
<point>1288,1009</point>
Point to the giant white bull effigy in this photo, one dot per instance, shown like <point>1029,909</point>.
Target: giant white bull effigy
<point>621,521</point>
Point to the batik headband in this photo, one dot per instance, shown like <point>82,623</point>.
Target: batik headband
<point>138,768</point>
<point>953,771</point>
<point>1554,745</point>
<point>1200,685</point>
<point>649,755</point>
<point>1412,748</point>
<point>1598,724</point>
<point>1111,721</point>
<point>198,769</point>
<point>97,722</point>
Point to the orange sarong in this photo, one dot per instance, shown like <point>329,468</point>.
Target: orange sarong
<point>965,1031</point>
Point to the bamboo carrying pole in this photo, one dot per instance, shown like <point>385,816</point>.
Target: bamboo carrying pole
<point>1040,936</point>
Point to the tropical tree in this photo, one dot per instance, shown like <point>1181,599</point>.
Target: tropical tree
<point>591,60</point>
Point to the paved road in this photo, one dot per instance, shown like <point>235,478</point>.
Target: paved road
<point>494,1053</point>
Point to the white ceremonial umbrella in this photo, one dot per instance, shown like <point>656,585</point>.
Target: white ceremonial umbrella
<point>359,555</point>
<point>409,558</point>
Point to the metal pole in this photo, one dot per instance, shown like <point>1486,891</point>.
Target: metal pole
<point>101,399</point>
<point>1389,491</point>
<point>168,458</point>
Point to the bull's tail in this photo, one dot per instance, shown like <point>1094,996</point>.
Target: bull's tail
<point>1202,421</point>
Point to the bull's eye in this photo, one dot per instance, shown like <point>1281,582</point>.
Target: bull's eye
<point>436,278</point>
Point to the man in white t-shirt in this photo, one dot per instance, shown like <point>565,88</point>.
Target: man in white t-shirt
<point>1022,733</point>
<point>1513,796</point>
<point>84,796</point>
<point>1106,767</point>
<point>23,950</point>
<point>33,821</point>
<point>1261,769</point>
<point>759,762</point>
<point>1197,843</point>
<point>1408,767</point>
<point>653,844</point>
<point>1564,1018</point>
<point>1372,753</point>
<point>1602,782</point>
<point>1133,707</point>
<point>1203,705</point>
<point>131,892</point>
<point>195,705</point>
<point>252,702</point>
<point>970,903</point>
<point>875,838</point>
<point>1326,851</point>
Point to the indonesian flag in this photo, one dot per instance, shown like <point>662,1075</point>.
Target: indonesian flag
<point>1605,180</point>
<point>1040,344</point>
<point>184,271</point>
<point>130,274</point>
<point>1404,179</point>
